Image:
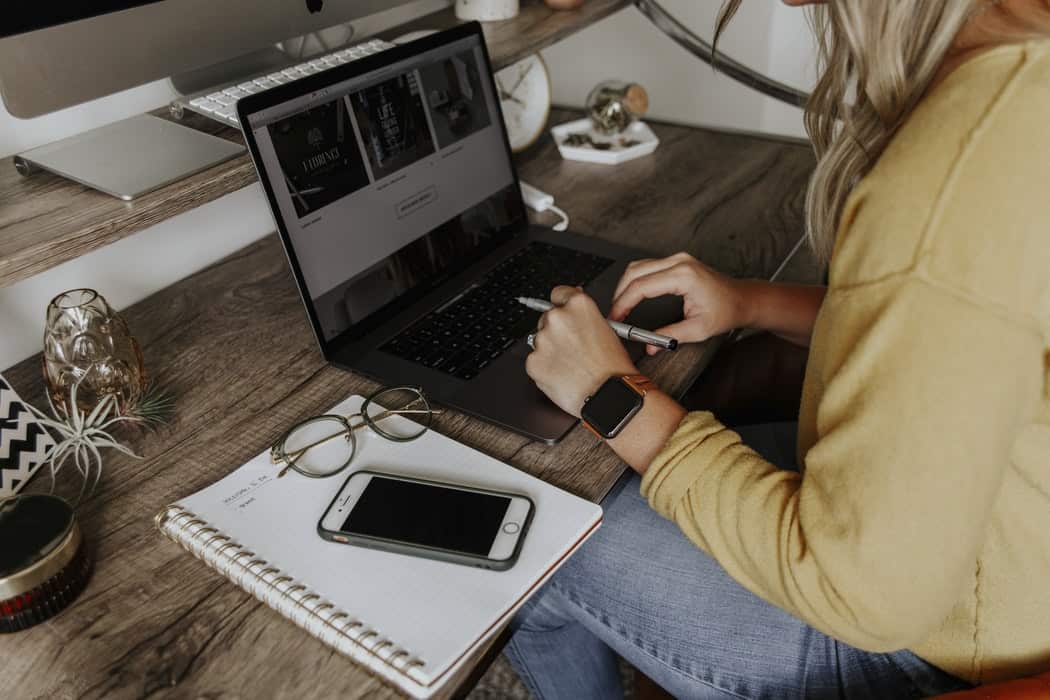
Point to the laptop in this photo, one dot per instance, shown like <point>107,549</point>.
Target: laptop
<point>395,196</point>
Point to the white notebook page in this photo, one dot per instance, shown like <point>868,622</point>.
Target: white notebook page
<point>437,611</point>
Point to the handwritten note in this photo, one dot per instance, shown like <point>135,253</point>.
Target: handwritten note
<point>244,496</point>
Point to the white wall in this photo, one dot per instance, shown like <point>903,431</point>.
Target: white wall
<point>765,35</point>
<point>792,60</point>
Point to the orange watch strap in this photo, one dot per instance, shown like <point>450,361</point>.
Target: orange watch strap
<point>590,427</point>
<point>639,382</point>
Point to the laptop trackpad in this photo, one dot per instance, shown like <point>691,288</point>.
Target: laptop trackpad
<point>506,395</point>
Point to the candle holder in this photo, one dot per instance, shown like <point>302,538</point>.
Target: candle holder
<point>44,564</point>
<point>486,10</point>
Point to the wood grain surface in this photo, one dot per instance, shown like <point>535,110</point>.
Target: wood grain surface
<point>46,220</point>
<point>233,344</point>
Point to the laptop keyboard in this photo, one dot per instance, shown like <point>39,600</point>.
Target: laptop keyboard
<point>470,332</point>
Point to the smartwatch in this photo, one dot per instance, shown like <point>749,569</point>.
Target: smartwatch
<point>608,411</point>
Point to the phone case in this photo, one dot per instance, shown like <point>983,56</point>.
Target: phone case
<point>437,553</point>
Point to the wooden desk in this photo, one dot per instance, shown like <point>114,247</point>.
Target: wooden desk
<point>233,344</point>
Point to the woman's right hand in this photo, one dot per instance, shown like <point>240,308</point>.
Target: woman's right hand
<point>713,303</point>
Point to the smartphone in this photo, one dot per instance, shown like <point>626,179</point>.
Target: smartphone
<point>448,522</point>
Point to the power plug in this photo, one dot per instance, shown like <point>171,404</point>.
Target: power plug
<point>539,200</point>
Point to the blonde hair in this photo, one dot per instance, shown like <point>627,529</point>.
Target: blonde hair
<point>876,59</point>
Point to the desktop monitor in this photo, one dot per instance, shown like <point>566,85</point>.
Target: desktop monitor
<point>56,54</point>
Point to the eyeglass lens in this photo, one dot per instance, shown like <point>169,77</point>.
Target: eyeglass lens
<point>398,414</point>
<point>319,447</point>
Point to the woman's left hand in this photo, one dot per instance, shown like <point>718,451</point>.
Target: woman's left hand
<point>575,350</point>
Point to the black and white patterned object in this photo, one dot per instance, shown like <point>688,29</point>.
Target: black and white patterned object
<point>24,443</point>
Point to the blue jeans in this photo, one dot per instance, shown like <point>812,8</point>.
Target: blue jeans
<point>639,589</point>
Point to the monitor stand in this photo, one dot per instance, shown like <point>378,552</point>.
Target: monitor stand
<point>130,157</point>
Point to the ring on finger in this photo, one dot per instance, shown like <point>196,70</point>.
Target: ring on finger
<point>531,340</point>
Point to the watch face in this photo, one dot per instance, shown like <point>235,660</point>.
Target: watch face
<point>611,407</point>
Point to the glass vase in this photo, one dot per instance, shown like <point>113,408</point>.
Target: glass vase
<point>613,105</point>
<point>88,344</point>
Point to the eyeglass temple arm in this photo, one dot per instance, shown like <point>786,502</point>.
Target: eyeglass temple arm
<point>391,412</point>
<point>681,35</point>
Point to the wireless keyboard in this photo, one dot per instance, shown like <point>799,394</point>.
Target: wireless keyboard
<point>220,103</point>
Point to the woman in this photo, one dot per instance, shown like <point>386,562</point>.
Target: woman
<point>909,553</point>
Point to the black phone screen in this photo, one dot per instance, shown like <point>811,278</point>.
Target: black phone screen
<point>428,515</point>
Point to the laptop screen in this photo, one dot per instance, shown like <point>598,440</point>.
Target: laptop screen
<point>389,182</point>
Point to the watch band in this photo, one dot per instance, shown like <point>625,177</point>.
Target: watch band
<point>639,382</point>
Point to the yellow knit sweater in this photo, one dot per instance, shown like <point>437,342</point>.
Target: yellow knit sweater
<point>922,518</point>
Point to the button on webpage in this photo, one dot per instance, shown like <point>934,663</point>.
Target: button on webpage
<point>416,202</point>
<point>511,528</point>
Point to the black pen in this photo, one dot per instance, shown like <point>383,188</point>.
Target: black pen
<point>624,330</point>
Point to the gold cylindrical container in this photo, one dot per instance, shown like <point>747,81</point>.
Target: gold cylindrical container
<point>43,564</point>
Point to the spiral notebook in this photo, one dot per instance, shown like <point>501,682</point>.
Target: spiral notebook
<point>412,621</point>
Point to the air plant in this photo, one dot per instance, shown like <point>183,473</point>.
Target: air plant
<point>82,436</point>
<point>154,408</point>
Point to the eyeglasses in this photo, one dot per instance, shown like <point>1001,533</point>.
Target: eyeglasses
<point>325,445</point>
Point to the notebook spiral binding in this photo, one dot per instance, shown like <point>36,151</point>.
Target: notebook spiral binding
<point>244,568</point>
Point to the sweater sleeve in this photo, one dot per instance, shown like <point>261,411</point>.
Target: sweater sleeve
<point>873,543</point>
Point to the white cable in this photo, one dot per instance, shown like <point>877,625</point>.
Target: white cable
<point>784,264</point>
<point>540,201</point>
<point>564,223</point>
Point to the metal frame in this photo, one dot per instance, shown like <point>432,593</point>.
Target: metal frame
<point>684,37</point>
